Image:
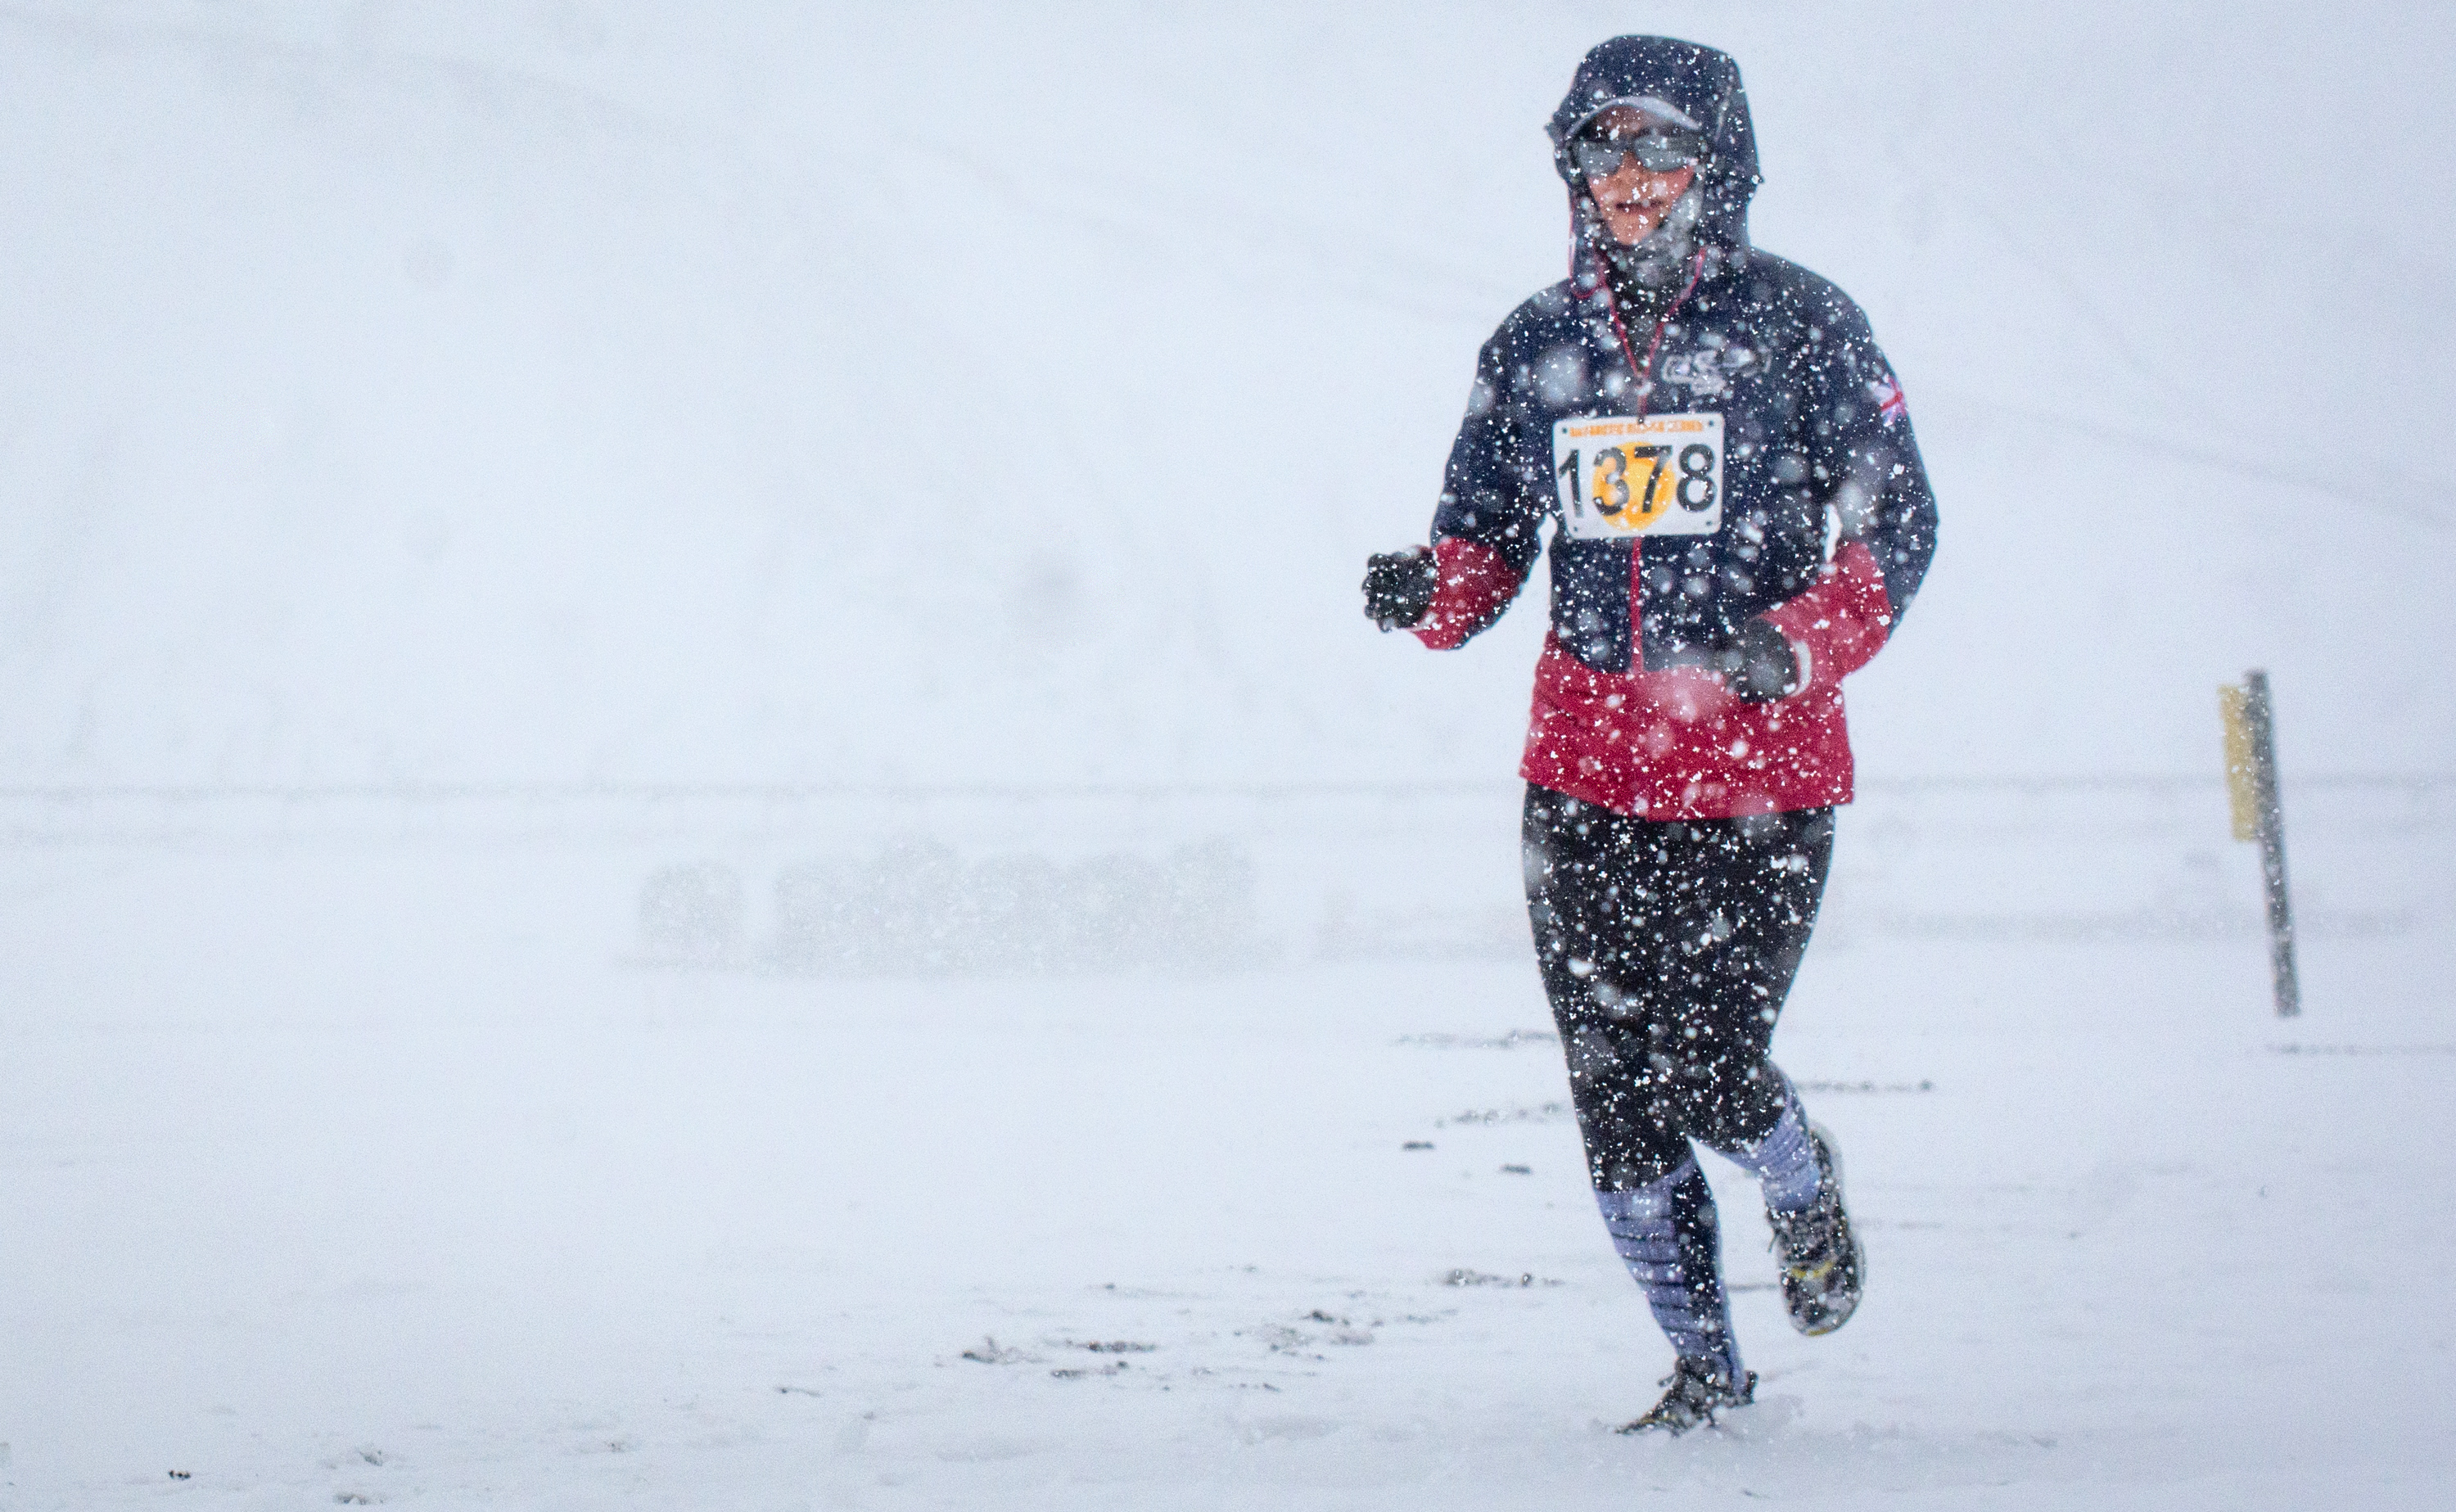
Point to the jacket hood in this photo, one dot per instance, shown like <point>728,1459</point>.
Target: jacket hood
<point>1700,83</point>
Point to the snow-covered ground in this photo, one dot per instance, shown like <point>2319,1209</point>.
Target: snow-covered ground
<point>466,607</point>
<point>373,1153</point>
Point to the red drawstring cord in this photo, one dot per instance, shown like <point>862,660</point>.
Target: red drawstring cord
<point>1644,402</point>
<point>1645,387</point>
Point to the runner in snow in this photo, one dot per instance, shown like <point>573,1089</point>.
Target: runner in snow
<point>1739,519</point>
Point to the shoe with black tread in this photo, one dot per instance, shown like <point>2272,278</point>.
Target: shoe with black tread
<point>1696,1390</point>
<point>1824,1265</point>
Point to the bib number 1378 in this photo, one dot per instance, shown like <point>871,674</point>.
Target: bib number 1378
<point>1620,477</point>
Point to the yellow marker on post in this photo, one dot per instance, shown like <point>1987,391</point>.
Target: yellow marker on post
<point>2251,793</point>
<point>2243,791</point>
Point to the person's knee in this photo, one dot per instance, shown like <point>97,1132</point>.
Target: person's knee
<point>1724,1105</point>
<point>1635,1146</point>
<point>1600,1063</point>
<point>1629,1171</point>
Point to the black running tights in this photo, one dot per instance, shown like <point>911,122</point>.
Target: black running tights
<point>1667,949</point>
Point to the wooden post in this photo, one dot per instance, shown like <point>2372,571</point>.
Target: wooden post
<point>2251,787</point>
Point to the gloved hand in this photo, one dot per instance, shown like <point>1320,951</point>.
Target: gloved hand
<point>1398,586</point>
<point>1758,667</point>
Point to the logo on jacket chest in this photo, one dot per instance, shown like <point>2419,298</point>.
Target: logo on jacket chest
<point>1708,370</point>
<point>1620,476</point>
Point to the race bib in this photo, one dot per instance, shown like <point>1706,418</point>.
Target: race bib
<point>1622,478</point>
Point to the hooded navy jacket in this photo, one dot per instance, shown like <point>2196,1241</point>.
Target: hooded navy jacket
<point>1746,455</point>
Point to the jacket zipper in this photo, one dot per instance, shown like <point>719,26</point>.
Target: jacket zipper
<point>1646,369</point>
<point>1645,403</point>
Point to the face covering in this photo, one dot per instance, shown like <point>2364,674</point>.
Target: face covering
<point>1660,262</point>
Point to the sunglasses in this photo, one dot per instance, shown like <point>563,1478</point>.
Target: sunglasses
<point>1655,151</point>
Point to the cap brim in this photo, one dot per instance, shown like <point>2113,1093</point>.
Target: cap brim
<point>1653,106</point>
